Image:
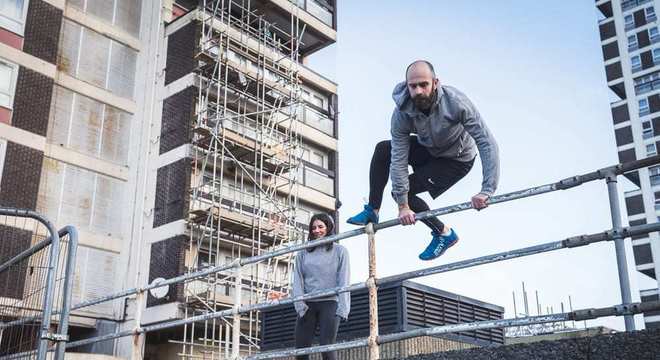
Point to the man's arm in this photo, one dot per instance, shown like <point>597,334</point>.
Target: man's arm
<point>400,131</point>
<point>488,150</point>
<point>399,158</point>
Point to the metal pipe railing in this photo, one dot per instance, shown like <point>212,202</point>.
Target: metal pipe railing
<point>620,248</point>
<point>571,242</point>
<point>534,191</point>
<point>616,233</point>
<point>585,314</point>
<point>63,326</point>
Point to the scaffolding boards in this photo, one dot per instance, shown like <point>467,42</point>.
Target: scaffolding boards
<point>246,163</point>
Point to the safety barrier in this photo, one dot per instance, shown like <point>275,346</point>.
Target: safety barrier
<point>617,234</point>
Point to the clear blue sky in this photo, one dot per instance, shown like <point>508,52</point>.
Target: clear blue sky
<point>535,71</point>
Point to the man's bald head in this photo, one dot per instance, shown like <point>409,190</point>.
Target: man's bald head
<point>420,65</point>
<point>421,83</point>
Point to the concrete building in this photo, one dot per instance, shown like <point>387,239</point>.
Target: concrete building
<point>175,135</point>
<point>629,37</point>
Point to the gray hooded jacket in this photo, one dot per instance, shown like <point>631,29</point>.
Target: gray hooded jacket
<point>453,129</point>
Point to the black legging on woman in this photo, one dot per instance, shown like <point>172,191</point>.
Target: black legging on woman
<point>323,314</point>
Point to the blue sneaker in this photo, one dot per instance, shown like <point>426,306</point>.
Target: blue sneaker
<point>368,215</point>
<point>439,244</point>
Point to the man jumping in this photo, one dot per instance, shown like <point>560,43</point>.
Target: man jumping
<point>437,130</point>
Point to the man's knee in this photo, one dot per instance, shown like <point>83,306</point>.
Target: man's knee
<point>383,148</point>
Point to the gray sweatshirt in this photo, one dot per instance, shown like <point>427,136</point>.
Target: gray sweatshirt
<point>322,269</point>
<point>453,129</point>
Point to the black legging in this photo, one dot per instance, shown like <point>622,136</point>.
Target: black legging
<point>434,175</point>
<point>323,314</point>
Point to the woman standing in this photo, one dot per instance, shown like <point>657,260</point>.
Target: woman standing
<point>320,268</point>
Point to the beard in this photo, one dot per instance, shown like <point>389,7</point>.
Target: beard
<point>424,102</point>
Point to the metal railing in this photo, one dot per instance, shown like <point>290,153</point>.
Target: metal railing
<point>35,281</point>
<point>617,234</point>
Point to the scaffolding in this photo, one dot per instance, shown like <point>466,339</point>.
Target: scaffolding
<point>246,160</point>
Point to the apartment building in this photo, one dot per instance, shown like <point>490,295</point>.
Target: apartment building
<point>175,135</point>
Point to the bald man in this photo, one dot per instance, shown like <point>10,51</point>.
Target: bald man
<point>437,130</point>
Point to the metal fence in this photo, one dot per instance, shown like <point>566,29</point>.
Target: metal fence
<point>617,234</point>
<point>36,277</point>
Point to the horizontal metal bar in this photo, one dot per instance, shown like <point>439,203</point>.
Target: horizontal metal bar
<point>571,242</point>
<point>585,314</point>
<point>575,241</point>
<point>616,310</point>
<point>311,350</point>
<point>25,254</point>
<point>107,337</point>
<point>24,355</point>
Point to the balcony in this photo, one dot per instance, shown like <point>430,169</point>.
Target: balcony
<point>241,210</point>
<point>319,9</point>
<point>630,4</point>
<point>648,83</point>
<point>270,155</point>
<point>236,217</point>
<point>276,52</point>
<point>606,9</point>
<point>317,120</point>
<point>318,17</point>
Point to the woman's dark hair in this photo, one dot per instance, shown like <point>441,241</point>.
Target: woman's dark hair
<point>329,224</point>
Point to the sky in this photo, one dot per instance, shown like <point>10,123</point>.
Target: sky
<point>535,72</point>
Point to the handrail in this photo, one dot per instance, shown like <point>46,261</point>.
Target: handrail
<point>617,234</point>
<point>572,242</point>
<point>560,185</point>
<point>584,314</point>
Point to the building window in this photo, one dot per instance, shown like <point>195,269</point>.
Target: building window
<point>632,42</point>
<point>320,9</point>
<point>103,62</point>
<point>657,201</point>
<point>647,83</point>
<point>124,14</point>
<point>656,56</point>
<point>647,129</point>
<point>318,159</point>
<point>650,14</point>
<point>318,101</point>
<point>654,35</point>
<point>318,181</point>
<point>654,175</point>
<point>12,15</point>
<point>8,74</point>
<point>651,150</point>
<point>644,108</point>
<point>630,23</point>
<point>636,63</point>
